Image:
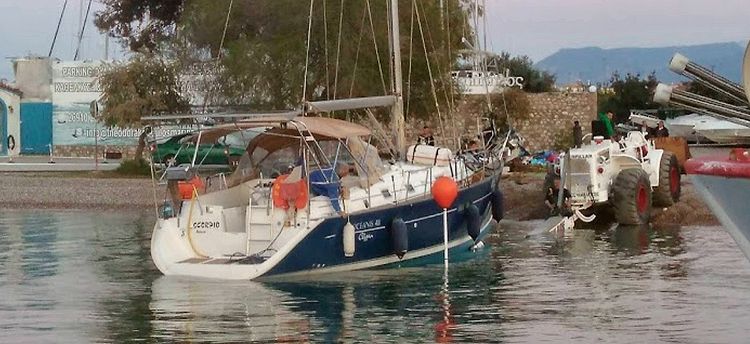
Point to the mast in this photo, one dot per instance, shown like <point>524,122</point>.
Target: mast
<point>397,112</point>
<point>442,15</point>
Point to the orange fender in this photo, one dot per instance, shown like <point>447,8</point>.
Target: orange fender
<point>186,187</point>
<point>284,194</point>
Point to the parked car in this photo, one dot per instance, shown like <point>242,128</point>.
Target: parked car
<point>179,150</point>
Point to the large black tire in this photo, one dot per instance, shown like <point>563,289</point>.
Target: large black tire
<point>632,197</point>
<point>669,189</point>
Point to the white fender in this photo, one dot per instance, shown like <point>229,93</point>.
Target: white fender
<point>348,237</point>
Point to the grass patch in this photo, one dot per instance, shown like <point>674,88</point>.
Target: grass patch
<point>133,168</point>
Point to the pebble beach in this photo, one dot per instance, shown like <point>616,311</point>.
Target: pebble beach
<point>53,190</point>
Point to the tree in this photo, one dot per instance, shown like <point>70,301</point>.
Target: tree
<point>512,104</point>
<point>141,24</point>
<point>262,56</point>
<point>535,81</point>
<point>147,85</point>
<point>628,93</point>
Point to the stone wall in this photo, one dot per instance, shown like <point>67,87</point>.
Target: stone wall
<point>87,151</point>
<point>551,115</point>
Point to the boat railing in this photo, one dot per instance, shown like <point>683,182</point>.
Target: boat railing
<point>216,182</point>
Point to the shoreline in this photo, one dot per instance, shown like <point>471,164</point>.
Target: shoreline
<point>524,192</point>
<point>95,191</point>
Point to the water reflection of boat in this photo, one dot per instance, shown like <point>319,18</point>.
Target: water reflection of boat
<point>186,310</point>
<point>371,304</point>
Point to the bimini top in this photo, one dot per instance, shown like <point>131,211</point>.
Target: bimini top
<point>319,127</point>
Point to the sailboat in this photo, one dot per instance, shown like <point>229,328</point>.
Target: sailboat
<point>312,195</point>
<point>722,181</point>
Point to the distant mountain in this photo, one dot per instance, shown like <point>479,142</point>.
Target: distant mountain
<point>596,65</point>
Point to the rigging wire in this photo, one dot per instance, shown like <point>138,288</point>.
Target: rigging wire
<point>307,52</point>
<point>338,51</point>
<point>83,29</point>
<point>450,54</point>
<point>445,82</point>
<point>356,56</point>
<point>377,52</point>
<point>224,33</point>
<point>209,95</point>
<point>57,31</point>
<point>411,57</point>
<point>429,72</point>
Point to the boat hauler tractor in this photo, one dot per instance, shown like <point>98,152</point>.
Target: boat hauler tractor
<point>627,174</point>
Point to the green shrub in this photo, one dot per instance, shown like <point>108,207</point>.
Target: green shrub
<point>134,168</point>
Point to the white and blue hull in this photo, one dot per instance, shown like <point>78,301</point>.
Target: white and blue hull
<point>318,246</point>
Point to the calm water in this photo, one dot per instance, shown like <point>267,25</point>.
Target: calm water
<point>77,277</point>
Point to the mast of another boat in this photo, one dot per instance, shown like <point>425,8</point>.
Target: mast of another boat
<point>397,111</point>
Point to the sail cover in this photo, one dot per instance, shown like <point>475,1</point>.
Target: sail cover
<point>350,104</point>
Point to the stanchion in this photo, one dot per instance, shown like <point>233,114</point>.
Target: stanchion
<point>445,238</point>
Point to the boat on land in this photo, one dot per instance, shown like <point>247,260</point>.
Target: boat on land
<point>312,195</point>
<point>723,132</point>
<point>685,126</point>
<point>722,181</point>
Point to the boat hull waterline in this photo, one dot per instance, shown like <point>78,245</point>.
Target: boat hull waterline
<point>319,249</point>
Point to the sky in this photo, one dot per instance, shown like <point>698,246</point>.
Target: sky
<point>539,28</point>
<point>28,26</point>
<point>536,28</point>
